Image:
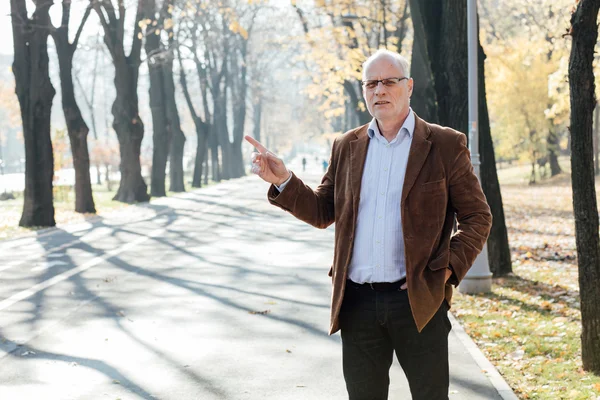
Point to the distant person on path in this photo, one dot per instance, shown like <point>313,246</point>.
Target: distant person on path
<point>393,188</point>
<point>303,163</point>
<point>325,164</point>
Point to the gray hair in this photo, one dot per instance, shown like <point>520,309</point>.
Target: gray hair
<point>400,61</point>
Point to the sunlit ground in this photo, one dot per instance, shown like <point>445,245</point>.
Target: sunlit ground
<point>64,203</point>
<point>529,325</point>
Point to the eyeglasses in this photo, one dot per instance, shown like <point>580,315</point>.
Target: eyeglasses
<point>387,82</point>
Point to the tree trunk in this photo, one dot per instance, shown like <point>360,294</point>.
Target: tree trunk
<point>423,99</point>
<point>553,149</point>
<point>35,93</point>
<point>176,172</point>
<point>127,122</point>
<point>98,175</point>
<point>177,180</point>
<point>444,33</point>
<point>584,32</point>
<point>213,140</point>
<point>107,174</point>
<point>497,243</point>
<point>76,126</point>
<point>239,113</point>
<point>257,119</point>
<point>161,136</point>
<point>596,137</point>
<point>206,166</point>
<point>357,103</point>
<point>202,128</point>
<point>222,129</point>
<point>447,48</point>
<point>201,154</point>
<point>532,175</point>
<point>401,28</point>
<point>130,132</point>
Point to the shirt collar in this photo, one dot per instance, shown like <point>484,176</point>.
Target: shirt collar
<point>409,125</point>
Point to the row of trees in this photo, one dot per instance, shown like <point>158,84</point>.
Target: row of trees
<point>209,46</point>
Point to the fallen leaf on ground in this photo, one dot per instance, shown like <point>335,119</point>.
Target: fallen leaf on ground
<point>260,312</point>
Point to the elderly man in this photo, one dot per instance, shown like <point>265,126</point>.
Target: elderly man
<point>393,188</point>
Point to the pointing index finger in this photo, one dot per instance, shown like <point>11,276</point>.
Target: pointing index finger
<point>262,149</point>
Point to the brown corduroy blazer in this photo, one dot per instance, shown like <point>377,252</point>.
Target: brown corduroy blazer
<point>439,184</point>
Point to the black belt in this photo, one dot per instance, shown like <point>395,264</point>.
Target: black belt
<point>378,286</point>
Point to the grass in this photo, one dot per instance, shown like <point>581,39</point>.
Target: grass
<point>519,173</point>
<point>64,204</point>
<point>529,326</point>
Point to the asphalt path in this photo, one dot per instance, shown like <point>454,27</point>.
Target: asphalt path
<point>212,294</point>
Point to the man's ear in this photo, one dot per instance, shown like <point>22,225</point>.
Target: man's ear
<point>410,86</point>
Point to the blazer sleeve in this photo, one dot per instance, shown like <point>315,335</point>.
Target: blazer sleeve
<point>472,211</point>
<point>315,207</point>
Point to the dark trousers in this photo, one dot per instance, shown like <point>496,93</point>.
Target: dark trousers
<point>374,325</point>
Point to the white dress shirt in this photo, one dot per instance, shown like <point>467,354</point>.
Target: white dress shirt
<point>378,253</point>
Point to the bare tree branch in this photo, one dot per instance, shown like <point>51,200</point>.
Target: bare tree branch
<point>81,25</point>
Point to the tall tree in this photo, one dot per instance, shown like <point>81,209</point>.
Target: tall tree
<point>35,93</point>
<point>497,245</point>
<point>239,88</point>
<point>202,129</point>
<point>446,38</point>
<point>176,172</point>
<point>423,100</point>
<point>445,30</point>
<point>76,127</point>
<point>584,32</point>
<point>161,137</point>
<point>127,122</point>
<point>190,33</point>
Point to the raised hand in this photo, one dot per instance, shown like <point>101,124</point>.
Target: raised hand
<point>267,165</point>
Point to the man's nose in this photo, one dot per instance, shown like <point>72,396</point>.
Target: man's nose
<point>380,88</point>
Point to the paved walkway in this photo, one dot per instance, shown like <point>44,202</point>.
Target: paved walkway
<point>213,294</point>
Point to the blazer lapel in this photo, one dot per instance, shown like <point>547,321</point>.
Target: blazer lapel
<point>358,155</point>
<point>419,150</point>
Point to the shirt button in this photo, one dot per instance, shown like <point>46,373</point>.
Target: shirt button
<point>385,169</point>
<point>379,217</point>
<point>383,193</point>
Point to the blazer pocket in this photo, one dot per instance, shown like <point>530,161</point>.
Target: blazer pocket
<point>435,186</point>
<point>441,261</point>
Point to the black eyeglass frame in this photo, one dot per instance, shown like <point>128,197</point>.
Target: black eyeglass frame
<point>375,82</point>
